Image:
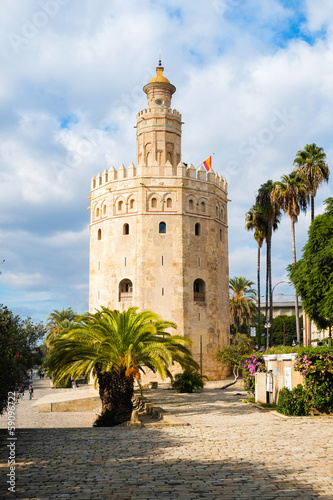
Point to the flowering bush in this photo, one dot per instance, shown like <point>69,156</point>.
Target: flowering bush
<point>251,365</point>
<point>316,393</point>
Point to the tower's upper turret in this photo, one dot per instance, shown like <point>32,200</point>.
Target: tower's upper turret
<point>159,127</point>
<point>159,90</point>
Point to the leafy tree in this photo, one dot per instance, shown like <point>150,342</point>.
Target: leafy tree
<point>234,354</point>
<point>312,275</point>
<point>254,221</point>
<point>311,163</point>
<point>284,330</point>
<point>291,194</point>
<point>19,351</point>
<point>271,214</point>
<point>242,302</point>
<point>117,346</point>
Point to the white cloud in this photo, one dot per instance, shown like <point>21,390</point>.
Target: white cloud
<point>250,87</point>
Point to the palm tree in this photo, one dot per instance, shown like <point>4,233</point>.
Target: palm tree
<point>254,220</point>
<point>242,302</point>
<point>58,322</point>
<point>311,163</point>
<point>271,214</point>
<point>116,346</point>
<point>292,195</point>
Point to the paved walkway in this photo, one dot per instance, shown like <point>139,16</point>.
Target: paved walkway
<point>229,451</point>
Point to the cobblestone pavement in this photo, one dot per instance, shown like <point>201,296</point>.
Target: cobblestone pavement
<point>229,451</point>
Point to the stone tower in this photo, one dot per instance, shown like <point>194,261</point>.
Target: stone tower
<point>158,233</point>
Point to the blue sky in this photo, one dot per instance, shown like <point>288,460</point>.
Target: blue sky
<point>254,84</point>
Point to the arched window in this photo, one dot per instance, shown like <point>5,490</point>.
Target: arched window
<point>126,229</point>
<point>153,203</point>
<point>169,203</point>
<point>120,206</point>
<point>222,214</point>
<point>197,229</point>
<point>190,204</point>
<point>104,210</point>
<point>162,228</point>
<point>199,290</point>
<point>217,211</point>
<point>203,206</point>
<point>125,290</point>
<point>132,204</point>
<point>97,213</point>
<point>99,234</point>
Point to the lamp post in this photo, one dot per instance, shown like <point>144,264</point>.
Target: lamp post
<point>267,326</point>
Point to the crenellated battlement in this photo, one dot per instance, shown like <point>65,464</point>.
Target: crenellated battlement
<point>150,111</point>
<point>182,171</point>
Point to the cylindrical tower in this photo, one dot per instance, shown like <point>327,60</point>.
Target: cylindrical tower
<point>158,234</point>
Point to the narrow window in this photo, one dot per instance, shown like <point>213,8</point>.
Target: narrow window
<point>197,229</point>
<point>132,204</point>
<point>104,210</point>
<point>126,229</point>
<point>169,203</point>
<point>221,235</point>
<point>153,202</point>
<point>199,261</point>
<point>162,228</point>
<point>162,260</point>
<point>120,206</point>
<point>199,316</point>
<point>162,291</point>
<point>217,211</point>
<point>125,261</point>
<point>97,212</point>
<point>125,290</point>
<point>190,204</point>
<point>199,290</point>
<point>99,234</point>
<point>203,206</point>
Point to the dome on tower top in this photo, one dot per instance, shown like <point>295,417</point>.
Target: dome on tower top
<point>159,76</point>
<point>159,82</point>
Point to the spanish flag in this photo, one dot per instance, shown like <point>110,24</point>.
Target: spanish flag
<point>208,164</point>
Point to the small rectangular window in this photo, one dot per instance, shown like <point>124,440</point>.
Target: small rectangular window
<point>162,260</point>
<point>162,291</point>
<point>199,261</point>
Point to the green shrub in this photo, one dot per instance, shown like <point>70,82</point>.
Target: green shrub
<point>293,402</point>
<point>189,381</point>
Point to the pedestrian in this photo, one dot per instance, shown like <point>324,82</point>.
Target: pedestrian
<point>31,391</point>
<point>21,392</point>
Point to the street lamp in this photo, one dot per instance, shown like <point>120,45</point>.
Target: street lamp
<point>267,326</point>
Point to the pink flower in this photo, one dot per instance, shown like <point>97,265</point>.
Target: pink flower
<point>17,355</point>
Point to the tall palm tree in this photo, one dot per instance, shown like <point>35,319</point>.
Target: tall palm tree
<point>311,163</point>
<point>117,346</point>
<point>58,322</point>
<point>254,221</point>
<point>242,301</point>
<point>271,214</point>
<point>292,195</point>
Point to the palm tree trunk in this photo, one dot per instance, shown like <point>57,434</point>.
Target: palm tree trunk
<point>116,392</point>
<point>269,265</point>
<point>267,288</point>
<point>298,333</point>
<point>258,278</point>
<point>312,207</point>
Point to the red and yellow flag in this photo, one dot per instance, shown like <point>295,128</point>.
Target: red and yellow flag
<point>208,164</point>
